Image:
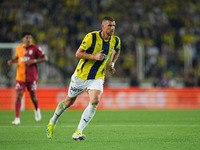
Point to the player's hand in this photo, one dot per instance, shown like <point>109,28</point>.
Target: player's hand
<point>10,62</point>
<point>112,70</point>
<point>100,55</point>
<point>30,62</point>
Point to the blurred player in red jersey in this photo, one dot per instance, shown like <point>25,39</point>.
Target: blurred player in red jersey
<point>27,56</point>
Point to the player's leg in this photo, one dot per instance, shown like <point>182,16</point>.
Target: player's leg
<point>62,106</point>
<point>88,114</point>
<point>75,89</point>
<point>95,90</point>
<point>37,112</point>
<point>20,88</point>
<point>34,100</point>
<point>32,87</point>
<point>90,110</point>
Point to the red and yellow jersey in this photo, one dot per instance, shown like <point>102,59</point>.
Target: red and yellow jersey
<point>27,72</point>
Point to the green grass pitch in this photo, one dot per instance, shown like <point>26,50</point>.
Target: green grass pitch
<point>109,130</point>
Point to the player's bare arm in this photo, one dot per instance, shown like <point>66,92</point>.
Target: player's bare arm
<point>114,57</point>
<point>38,60</point>
<point>11,61</point>
<point>83,55</point>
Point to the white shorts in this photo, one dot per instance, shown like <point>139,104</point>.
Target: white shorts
<point>77,85</point>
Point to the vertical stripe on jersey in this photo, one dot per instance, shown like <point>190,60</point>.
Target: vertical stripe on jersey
<point>97,64</point>
<point>91,49</point>
<point>117,42</point>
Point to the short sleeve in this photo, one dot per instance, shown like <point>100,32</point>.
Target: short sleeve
<point>87,42</point>
<point>118,43</point>
<point>16,52</point>
<point>39,51</point>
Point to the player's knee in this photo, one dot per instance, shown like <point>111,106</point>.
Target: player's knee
<point>19,96</point>
<point>33,97</point>
<point>95,101</point>
<point>69,101</point>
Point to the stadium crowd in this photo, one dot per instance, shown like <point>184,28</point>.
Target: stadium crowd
<point>169,31</point>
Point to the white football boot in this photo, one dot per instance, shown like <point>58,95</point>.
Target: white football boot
<point>38,116</point>
<point>16,121</point>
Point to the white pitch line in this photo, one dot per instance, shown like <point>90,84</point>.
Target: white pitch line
<point>103,126</point>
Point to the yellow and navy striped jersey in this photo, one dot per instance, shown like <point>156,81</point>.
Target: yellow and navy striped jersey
<point>93,43</point>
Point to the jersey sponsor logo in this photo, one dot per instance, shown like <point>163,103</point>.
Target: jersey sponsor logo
<point>23,59</point>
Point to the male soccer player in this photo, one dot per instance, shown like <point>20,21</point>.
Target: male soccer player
<point>95,50</point>
<point>27,56</point>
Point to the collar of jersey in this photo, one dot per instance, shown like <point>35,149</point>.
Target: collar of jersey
<point>102,37</point>
<point>29,45</point>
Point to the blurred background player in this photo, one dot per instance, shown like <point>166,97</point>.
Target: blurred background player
<point>94,52</point>
<point>27,56</point>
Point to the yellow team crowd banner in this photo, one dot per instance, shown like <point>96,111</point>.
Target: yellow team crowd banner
<point>112,98</point>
